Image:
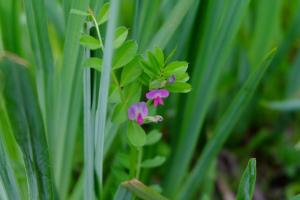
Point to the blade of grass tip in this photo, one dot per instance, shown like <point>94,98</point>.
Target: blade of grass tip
<point>88,135</point>
<point>169,27</point>
<point>223,130</point>
<point>220,30</point>
<point>6,173</point>
<point>247,183</point>
<point>101,111</point>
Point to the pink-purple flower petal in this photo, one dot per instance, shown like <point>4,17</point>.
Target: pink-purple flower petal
<point>138,112</point>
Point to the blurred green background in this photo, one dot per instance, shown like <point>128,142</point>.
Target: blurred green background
<point>223,41</point>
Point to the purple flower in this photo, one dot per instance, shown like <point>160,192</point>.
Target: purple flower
<point>157,96</point>
<point>138,112</point>
<point>171,79</point>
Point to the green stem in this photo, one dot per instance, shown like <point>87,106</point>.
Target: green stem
<point>96,26</point>
<point>139,161</point>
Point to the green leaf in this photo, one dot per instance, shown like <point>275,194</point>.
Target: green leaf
<point>153,162</point>
<point>176,67</point>
<point>28,128</point>
<point>171,54</point>
<point>103,14</point>
<point>153,62</point>
<point>133,92</point>
<point>124,160</point>
<point>148,69</point>
<point>102,109</point>
<point>89,42</point>
<point>247,183</point>
<point>223,21</point>
<point>136,134</point>
<point>6,173</point>
<point>157,83</point>
<point>184,77</point>
<point>119,114</point>
<point>79,12</point>
<point>142,191</point>
<point>120,36</point>
<point>125,54</point>
<point>144,79</point>
<point>223,129</point>
<point>131,72</point>
<point>93,62</point>
<point>159,55</point>
<point>153,137</point>
<point>179,87</point>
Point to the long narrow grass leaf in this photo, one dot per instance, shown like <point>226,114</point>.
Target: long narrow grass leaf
<point>101,112</point>
<point>220,30</point>
<point>223,130</point>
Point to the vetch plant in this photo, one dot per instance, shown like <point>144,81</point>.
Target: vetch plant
<point>95,102</point>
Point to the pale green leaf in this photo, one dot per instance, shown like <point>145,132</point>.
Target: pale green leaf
<point>136,134</point>
<point>153,162</point>
<point>89,42</point>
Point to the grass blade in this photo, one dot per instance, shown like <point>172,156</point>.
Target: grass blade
<point>6,173</point>
<point>101,111</point>
<point>24,113</point>
<point>88,134</point>
<point>169,27</point>
<point>216,44</point>
<point>37,24</point>
<point>122,194</point>
<point>69,99</point>
<point>223,130</point>
<point>247,183</point>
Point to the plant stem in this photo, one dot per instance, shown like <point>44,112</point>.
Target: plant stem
<point>139,161</point>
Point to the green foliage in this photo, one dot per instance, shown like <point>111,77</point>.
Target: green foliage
<point>73,72</point>
<point>247,183</point>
